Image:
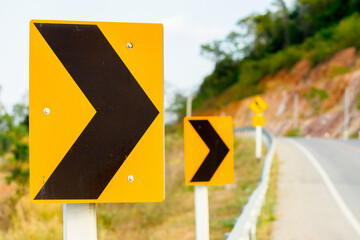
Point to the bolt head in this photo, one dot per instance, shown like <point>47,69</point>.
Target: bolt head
<point>129,45</point>
<point>46,111</point>
<point>130,178</point>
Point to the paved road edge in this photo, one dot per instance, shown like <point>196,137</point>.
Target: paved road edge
<point>330,186</point>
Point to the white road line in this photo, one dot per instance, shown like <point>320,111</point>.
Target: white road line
<point>338,199</point>
<point>354,148</point>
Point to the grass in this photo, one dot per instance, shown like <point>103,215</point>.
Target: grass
<point>226,202</point>
<point>171,219</point>
<point>293,133</point>
<point>267,214</point>
<point>21,220</point>
<point>338,70</point>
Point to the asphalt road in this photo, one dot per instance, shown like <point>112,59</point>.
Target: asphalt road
<point>318,189</point>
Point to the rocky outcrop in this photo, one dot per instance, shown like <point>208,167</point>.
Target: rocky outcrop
<point>317,118</point>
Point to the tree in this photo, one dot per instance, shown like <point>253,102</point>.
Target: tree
<point>178,106</point>
<point>285,20</point>
<point>264,43</point>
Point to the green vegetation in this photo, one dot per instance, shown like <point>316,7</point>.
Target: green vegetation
<point>315,96</point>
<point>293,133</point>
<point>14,169</point>
<point>338,70</point>
<point>267,214</point>
<point>174,217</point>
<point>14,144</point>
<point>354,135</point>
<point>266,43</point>
<point>178,107</point>
<point>358,102</point>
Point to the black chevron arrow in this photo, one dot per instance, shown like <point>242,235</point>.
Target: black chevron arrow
<point>123,111</point>
<point>217,147</point>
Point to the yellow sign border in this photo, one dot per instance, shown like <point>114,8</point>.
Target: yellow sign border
<point>195,150</point>
<point>49,142</point>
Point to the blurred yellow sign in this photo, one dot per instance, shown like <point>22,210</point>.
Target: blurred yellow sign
<point>258,105</point>
<point>258,120</point>
<point>209,153</point>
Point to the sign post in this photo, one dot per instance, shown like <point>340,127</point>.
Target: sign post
<point>346,113</point>
<point>208,161</point>
<point>296,108</point>
<point>201,198</point>
<point>79,221</point>
<point>258,133</point>
<point>96,117</point>
<point>202,212</point>
<point>258,106</point>
<point>188,106</point>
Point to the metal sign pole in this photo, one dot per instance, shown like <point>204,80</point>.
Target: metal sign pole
<point>79,221</point>
<point>296,104</point>
<point>188,106</point>
<point>201,199</point>
<point>346,113</point>
<point>258,142</point>
<point>201,212</point>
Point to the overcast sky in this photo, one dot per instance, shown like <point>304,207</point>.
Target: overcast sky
<point>187,25</point>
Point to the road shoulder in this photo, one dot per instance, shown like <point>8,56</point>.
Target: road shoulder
<point>305,208</point>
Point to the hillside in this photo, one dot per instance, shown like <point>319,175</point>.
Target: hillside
<point>317,117</point>
<point>308,50</point>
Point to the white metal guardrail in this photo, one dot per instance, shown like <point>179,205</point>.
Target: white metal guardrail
<point>245,225</point>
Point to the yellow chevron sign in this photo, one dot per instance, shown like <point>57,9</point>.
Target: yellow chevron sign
<point>96,112</point>
<point>209,151</point>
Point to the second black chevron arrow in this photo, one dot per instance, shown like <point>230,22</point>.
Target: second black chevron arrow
<point>209,162</point>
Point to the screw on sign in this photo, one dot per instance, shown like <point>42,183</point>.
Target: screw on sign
<point>46,111</point>
<point>130,178</point>
<point>129,45</point>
